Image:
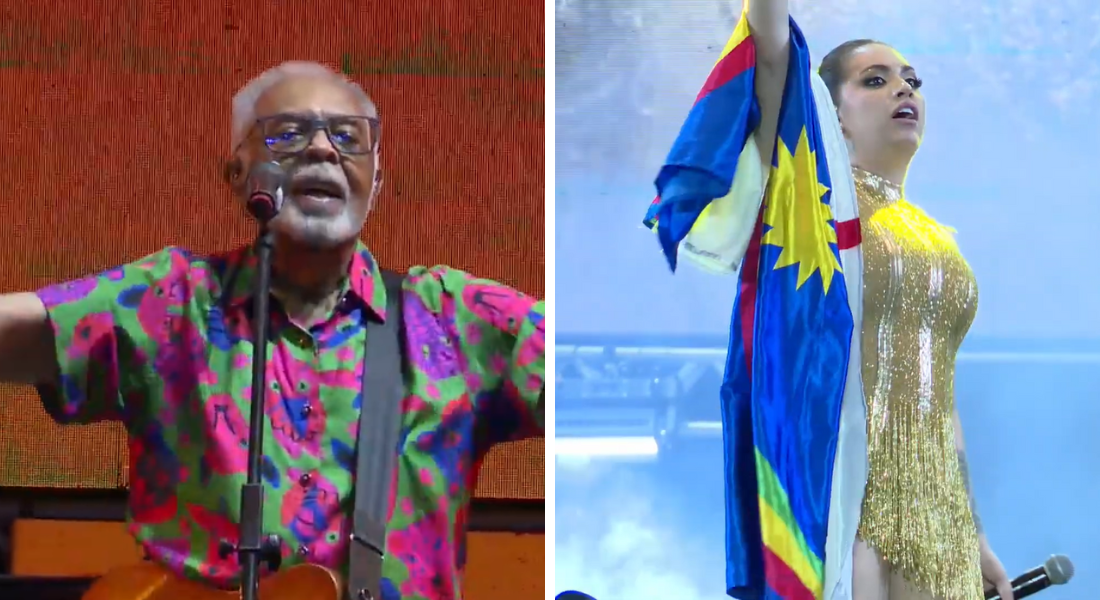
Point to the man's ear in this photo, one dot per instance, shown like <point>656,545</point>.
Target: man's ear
<point>375,190</point>
<point>233,173</point>
<point>378,175</point>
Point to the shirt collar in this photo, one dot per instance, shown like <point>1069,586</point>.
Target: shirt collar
<point>364,283</point>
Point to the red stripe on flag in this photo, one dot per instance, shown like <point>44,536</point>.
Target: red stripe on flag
<point>740,59</point>
<point>782,580</point>
<point>750,270</point>
<point>848,234</point>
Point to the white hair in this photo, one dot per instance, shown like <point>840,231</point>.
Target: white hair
<point>244,103</point>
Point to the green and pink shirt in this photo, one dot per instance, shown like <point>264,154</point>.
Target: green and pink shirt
<point>164,344</point>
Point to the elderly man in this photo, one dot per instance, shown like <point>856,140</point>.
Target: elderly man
<point>164,344</point>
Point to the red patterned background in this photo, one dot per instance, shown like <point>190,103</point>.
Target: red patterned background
<point>115,114</point>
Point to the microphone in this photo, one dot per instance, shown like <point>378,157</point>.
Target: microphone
<point>265,190</point>
<point>571,595</point>
<point>1055,571</point>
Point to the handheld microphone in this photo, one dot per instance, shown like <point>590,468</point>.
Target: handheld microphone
<point>265,190</point>
<point>1055,571</point>
<point>572,595</point>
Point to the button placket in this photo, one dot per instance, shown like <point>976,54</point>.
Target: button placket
<point>307,389</point>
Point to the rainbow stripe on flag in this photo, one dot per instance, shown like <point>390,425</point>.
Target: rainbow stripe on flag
<point>791,329</point>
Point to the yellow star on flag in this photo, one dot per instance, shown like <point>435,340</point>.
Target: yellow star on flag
<point>799,220</point>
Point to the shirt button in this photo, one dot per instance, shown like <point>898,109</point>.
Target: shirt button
<point>307,410</point>
<point>305,479</point>
<point>303,551</point>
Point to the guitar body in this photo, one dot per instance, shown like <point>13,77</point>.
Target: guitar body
<point>148,581</point>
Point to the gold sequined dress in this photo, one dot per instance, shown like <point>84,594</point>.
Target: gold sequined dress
<point>919,299</point>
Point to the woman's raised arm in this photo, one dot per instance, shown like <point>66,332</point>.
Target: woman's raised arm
<point>769,22</point>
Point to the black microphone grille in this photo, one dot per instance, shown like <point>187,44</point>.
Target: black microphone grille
<point>1059,568</point>
<point>269,172</point>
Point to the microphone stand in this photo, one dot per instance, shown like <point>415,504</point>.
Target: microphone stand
<point>254,548</point>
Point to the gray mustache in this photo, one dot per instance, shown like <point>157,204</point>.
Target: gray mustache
<point>326,173</point>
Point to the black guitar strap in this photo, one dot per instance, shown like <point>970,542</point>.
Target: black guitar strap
<point>379,429</point>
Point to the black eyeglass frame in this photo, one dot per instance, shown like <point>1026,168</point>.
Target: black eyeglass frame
<point>316,124</point>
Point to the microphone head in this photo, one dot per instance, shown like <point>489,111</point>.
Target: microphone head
<point>266,177</point>
<point>1059,569</point>
<point>572,595</point>
<point>265,190</point>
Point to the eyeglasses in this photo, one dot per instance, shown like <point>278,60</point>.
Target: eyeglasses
<point>291,134</point>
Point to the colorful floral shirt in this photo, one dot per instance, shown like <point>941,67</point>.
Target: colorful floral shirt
<point>164,345</point>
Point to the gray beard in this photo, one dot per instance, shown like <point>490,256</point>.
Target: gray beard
<point>317,232</point>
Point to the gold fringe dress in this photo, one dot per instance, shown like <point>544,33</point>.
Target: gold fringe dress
<point>919,299</point>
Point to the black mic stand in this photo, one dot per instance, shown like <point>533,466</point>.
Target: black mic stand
<point>253,547</point>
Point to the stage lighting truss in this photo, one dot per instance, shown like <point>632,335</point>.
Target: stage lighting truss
<point>630,401</point>
<point>619,402</point>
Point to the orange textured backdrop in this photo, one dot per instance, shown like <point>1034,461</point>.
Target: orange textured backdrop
<point>115,114</point>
